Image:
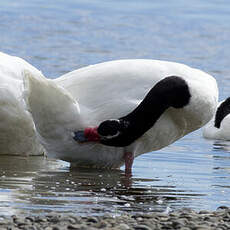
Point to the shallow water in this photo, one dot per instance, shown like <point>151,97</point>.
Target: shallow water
<point>176,177</point>
<point>61,36</point>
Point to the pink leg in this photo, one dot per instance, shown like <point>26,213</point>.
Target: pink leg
<point>128,156</point>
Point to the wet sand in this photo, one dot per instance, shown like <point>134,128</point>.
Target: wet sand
<point>183,219</point>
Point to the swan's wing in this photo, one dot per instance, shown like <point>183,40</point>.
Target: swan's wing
<point>56,116</point>
<point>55,113</point>
<point>17,131</point>
<point>12,68</point>
<point>113,89</point>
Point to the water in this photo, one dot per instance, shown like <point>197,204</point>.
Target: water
<point>59,36</point>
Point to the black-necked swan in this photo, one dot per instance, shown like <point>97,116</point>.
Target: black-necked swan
<point>219,127</point>
<point>118,110</point>
<point>17,132</point>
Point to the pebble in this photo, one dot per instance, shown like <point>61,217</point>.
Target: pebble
<point>142,227</point>
<point>92,219</point>
<point>184,219</point>
<point>123,227</point>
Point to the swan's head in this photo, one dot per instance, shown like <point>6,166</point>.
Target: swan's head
<point>110,129</point>
<point>110,132</point>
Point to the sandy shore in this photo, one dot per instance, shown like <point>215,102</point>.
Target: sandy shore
<point>183,219</point>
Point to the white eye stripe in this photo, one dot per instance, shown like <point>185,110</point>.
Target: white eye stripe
<point>110,136</point>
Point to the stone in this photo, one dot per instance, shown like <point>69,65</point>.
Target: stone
<point>92,219</point>
<point>123,227</point>
<point>142,227</point>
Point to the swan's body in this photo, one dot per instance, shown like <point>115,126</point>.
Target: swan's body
<point>111,90</point>
<point>219,127</point>
<point>17,131</point>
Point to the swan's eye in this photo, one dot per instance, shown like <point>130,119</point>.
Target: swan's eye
<point>109,129</point>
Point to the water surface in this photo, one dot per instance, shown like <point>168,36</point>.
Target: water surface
<point>58,37</point>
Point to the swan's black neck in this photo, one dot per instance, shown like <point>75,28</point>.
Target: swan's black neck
<point>170,92</point>
<point>222,111</point>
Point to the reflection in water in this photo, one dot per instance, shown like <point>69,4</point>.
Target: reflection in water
<point>192,173</point>
<point>37,185</point>
<point>221,145</point>
<point>221,171</point>
<point>172,178</point>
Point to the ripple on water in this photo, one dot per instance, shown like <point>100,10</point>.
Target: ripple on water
<point>39,185</point>
<point>193,172</point>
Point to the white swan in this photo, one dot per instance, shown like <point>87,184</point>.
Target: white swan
<point>180,100</point>
<point>17,132</point>
<point>219,127</point>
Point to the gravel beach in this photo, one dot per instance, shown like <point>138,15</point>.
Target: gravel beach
<point>182,219</point>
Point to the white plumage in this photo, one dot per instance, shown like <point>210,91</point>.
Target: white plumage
<point>109,90</point>
<point>222,132</point>
<point>85,98</point>
<point>17,132</point>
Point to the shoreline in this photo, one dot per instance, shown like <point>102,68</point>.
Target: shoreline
<point>181,219</point>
